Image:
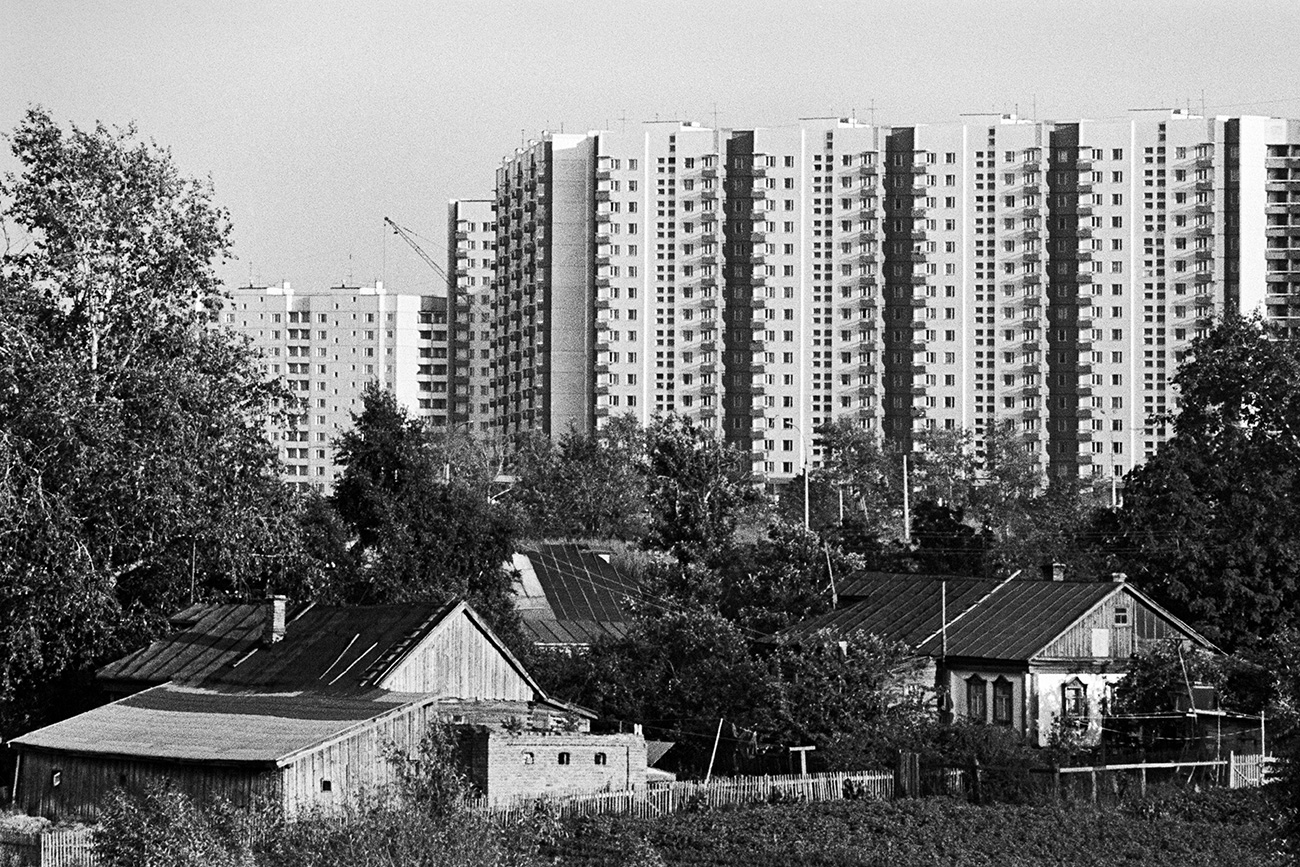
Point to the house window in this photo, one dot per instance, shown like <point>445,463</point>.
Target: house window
<point>326,785</point>
<point>529,758</point>
<point>1074,701</point>
<point>977,708</point>
<point>564,758</point>
<point>602,759</point>
<point>1121,617</point>
<point>1002,693</point>
<point>56,778</point>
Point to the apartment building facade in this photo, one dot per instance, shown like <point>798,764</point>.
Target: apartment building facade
<point>1044,276</point>
<point>328,345</point>
<point>471,271</point>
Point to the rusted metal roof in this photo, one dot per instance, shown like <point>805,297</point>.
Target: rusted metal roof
<point>215,725</point>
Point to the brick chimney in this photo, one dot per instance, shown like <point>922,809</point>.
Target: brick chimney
<point>1053,571</point>
<point>273,623</point>
<point>1118,577</point>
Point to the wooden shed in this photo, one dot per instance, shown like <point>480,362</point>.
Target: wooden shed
<point>304,716</point>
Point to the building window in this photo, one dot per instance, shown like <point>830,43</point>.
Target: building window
<point>1002,693</point>
<point>529,758</point>
<point>1121,617</point>
<point>1074,701</point>
<point>564,758</point>
<point>602,759</point>
<point>977,708</point>
<point>326,785</point>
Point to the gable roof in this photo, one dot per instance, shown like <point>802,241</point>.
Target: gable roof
<point>174,722</point>
<point>568,594</point>
<point>210,636</point>
<point>1013,619</point>
<point>900,607</point>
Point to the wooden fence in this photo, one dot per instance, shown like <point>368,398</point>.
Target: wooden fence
<point>70,848</point>
<point>675,797</point>
<point>1235,772</point>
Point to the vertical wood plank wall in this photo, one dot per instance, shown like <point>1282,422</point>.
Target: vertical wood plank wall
<point>1144,625</point>
<point>457,660</point>
<point>87,782</point>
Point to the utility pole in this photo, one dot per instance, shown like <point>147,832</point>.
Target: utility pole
<point>907,513</point>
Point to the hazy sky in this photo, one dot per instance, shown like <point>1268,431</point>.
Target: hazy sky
<point>317,119</point>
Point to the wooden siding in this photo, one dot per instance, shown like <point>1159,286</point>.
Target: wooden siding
<point>457,660</point>
<point>354,765</point>
<point>87,782</point>
<point>1144,625</point>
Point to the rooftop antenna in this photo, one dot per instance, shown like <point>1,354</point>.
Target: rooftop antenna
<point>715,114</point>
<point>623,120</point>
<point>1034,110</point>
<point>873,112</point>
<point>1203,102</point>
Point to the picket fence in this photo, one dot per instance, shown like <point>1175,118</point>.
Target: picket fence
<point>69,848</point>
<point>675,797</point>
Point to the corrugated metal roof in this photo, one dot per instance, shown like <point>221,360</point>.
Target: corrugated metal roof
<point>585,597</point>
<point>192,723</point>
<point>901,607</point>
<point>212,636</point>
<point>860,584</point>
<point>335,647</point>
<point>1022,618</point>
<point>1007,620</point>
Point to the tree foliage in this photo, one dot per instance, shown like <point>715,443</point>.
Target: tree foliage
<point>1211,524</point>
<point>584,486</point>
<point>133,448</point>
<point>420,535</point>
<point>698,489</point>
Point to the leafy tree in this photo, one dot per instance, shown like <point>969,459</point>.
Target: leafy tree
<point>866,471</point>
<point>419,536</point>
<point>133,448</point>
<point>781,579</point>
<point>827,688</point>
<point>1165,669</point>
<point>1211,524</point>
<point>698,486</point>
<point>584,486</point>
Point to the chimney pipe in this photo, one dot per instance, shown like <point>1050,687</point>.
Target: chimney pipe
<point>1118,577</point>
<point>1053,571</point>
<point>273,624</point>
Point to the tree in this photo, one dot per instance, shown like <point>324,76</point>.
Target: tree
<point>781,579</point>
<point>584,486</point>
<point>135,470</point>
<point>867,472</point>
<point>698,488</point>
<point>1211,524</point>
<point>419,535</point>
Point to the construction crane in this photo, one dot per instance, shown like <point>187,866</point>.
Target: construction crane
<point>408,236</point>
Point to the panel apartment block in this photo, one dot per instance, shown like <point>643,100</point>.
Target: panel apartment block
<point>471,270</point>
<point>1042,276</point>
<point>328,345</point>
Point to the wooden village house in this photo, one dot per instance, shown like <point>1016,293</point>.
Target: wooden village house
<point>1023,653</point>
<point>304,706</point>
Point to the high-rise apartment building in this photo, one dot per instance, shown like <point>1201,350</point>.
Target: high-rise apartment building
<point>1046,276</point>
<point>471,258</point>
<point>329,345</point>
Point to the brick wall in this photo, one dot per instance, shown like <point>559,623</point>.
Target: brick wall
<point>505,766</point>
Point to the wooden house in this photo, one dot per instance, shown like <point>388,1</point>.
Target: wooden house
<point>305,714</point>
<point>1024,653</point>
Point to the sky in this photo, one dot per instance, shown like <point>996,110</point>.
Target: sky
<point>315,120</point>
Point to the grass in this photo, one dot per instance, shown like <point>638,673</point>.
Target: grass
<point>1218,828</point>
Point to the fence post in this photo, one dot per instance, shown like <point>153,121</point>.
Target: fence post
<point>976,788</point>
<point>1142,781</point>
<point>1092,785</point>
<point>1056,782</point>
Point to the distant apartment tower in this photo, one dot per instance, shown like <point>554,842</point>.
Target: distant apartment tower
<point>471,269</point>
<point>328,345</point>
<point>1043,276</point>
